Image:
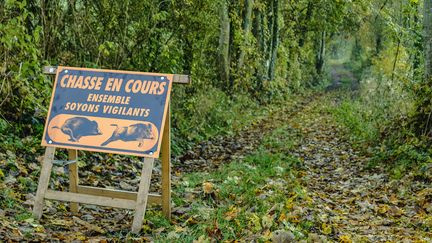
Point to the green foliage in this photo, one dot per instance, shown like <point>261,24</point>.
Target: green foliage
<point>358,120</point>
<point>389,113</point>
<point>23,89</point>
<point>380,126</point>
<point>172,37</point>
<point>204,116</point>
<point>233,190</point>
<point>380,43</point>
<point>378,123</point>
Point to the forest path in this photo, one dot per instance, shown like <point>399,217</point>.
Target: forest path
<point>341,76</point>
<point>294,171</point>
<point>347,199</point>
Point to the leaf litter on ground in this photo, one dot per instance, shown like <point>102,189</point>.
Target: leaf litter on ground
<point>293,176</point>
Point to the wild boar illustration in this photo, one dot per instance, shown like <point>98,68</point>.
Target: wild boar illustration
<point>135,132</point>
<point>77,127</point>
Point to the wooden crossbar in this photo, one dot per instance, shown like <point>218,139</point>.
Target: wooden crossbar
<point>90,199</point>
<point>153,198</point>
<point>178,78</point>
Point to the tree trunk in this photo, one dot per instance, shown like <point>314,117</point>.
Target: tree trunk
<point>224,44</point>
<point>417,45</point>
<point>378,26</point>
<point>378,43</point>
<point>321,54</point>
<point>274,40</point>
<point>246,29</point>
<point>258,32</point>
<point>304,28</point>
<point>425,108</point>
<point>428,38</point>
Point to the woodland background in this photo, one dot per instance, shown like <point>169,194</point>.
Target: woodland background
<point>243,56</point>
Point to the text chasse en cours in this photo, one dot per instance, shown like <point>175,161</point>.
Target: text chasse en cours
<point>111,85</point>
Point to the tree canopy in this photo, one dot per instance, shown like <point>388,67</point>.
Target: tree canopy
<point>247,59</point>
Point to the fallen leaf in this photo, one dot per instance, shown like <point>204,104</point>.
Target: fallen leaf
<point>383,208</point>
<point>126,186</point>
<point>179,229</point>
<point>254,223</point>
<point>326,229</point>
<point>88,225</point>
<point>61,222</point>
<point>345,239</point>
<point>208,187</point>
<point>231,214</point>
<point>201,239</point>
<point>172,235</point>
<point>214,232</point>
<point>267,221</point>
<point>282,236</point>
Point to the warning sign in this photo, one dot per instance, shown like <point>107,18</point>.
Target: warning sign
<point>108,111</point>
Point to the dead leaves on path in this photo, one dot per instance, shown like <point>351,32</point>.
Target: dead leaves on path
<point>332,198</point>
<point>208,187</point>
<point>351,202</point>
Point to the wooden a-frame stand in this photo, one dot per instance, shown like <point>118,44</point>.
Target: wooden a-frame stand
<point>109,197</point>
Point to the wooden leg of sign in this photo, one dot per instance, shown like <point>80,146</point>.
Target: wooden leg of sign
<point>44,178</point>
<point>142,196</point>
<point>73,178</point>
<point>166,167</point>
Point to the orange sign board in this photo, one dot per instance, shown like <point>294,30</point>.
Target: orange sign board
<point>108,111</point>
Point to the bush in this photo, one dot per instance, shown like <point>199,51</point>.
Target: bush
<point>359,121</point>
<point>208,114</point>
<point>24,90</point>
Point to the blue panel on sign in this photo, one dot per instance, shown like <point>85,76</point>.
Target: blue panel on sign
<point>109,111</point>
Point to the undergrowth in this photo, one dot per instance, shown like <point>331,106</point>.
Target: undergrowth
<point>209,114</point>
<point>248,197</point>
<point>379,125</point>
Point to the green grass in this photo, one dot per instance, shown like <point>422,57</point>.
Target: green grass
<point>242,195</point>
<point>238,187</point>
<point>358,120</point>
<point>209,114</point>
<point>379,126</point>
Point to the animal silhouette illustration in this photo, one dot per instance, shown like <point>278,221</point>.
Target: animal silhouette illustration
<point>135,132</point>
<point>77,127</point>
